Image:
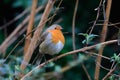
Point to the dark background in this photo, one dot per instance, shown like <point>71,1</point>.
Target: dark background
<point>86,14</point>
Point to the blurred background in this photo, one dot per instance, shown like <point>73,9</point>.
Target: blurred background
<point>85,17</point>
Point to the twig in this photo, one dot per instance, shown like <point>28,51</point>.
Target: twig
<point>21,32</point>
<point>36,35</point>
<point>111,70</point>
<point>30,25</point>
<point>104,30</point>
<point>103,36</point>
<point>109,73</point>
<point>117,75</point>
<point>68,53</point>
<point>86,72</point>
<point>58,21</point>
<point>14,35</point>
<point>102,66</point>
<point>56,11</point>
<point>103,8</point>
<point>98,13</point>
<point>65,68</point>
<point>95,54</point>
<point>97,68</point>
<point>112,24</point>
<point>38,17</point>
<point>73,28</point>
<point>14,48</point>
<point>15,19</point>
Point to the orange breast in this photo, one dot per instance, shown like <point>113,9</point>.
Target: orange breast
<point>57,36</point>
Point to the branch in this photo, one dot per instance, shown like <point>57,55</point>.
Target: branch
<point>36,19</point>
<point>75,63</point>
<point>111,70</point>
<point>104,30</point>
<point>15,19</point>
<point>86,72</point>
<point>68,53</point>
<point>14,35</point>
<point>103,37</point>
<point>65,68</point>
<point>36,35</point>
<point>57,8</point>
<point>73,28</point>
<point>21,32</point>
<point>30,25</point>
<point>98,13</point>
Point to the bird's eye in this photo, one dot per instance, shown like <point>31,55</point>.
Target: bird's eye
<point>55,28</point>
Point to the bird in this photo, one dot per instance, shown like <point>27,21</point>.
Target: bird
<point>52,40</point>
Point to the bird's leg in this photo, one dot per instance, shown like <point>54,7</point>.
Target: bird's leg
<point>44,58</point>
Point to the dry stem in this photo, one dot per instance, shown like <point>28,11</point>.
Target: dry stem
<point>68,53</point>
<point>14,35</point>
<point>98,13</point>
<point>73,28</point>
<point>86,72</point>
<point>103,37</point>
<point>23,30</point>
<point>36,35</point>
<point>30,25</point>
<point>111,70</point>
<point>15,19</point>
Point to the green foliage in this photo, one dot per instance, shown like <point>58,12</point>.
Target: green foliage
<point>88,38</point>
<point>113,77</point>
<point>6,71</point>
<point>116,58</point>
<point>57,68</point>
<point>2,61</point>
<point>51,64</point>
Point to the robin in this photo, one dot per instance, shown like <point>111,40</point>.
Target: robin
<point>52,40</point>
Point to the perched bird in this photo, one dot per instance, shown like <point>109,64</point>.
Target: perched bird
<point>52,40</point>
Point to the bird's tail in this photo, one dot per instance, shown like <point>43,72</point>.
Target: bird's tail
<point>38,59</point>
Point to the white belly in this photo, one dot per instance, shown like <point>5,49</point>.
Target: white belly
<point>47,47</point>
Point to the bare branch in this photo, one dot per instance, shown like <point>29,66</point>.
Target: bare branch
<point>15,19</point>
<point>21,32</point>
<point>36,35</point>
<point>103,37</point>
<point>111,70</point>
<point>68,53</point>
<point>98,13</point>
<point>30,25</point>
<point>15,34</point>
<point>73,28</point>
<point>86,71</point>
